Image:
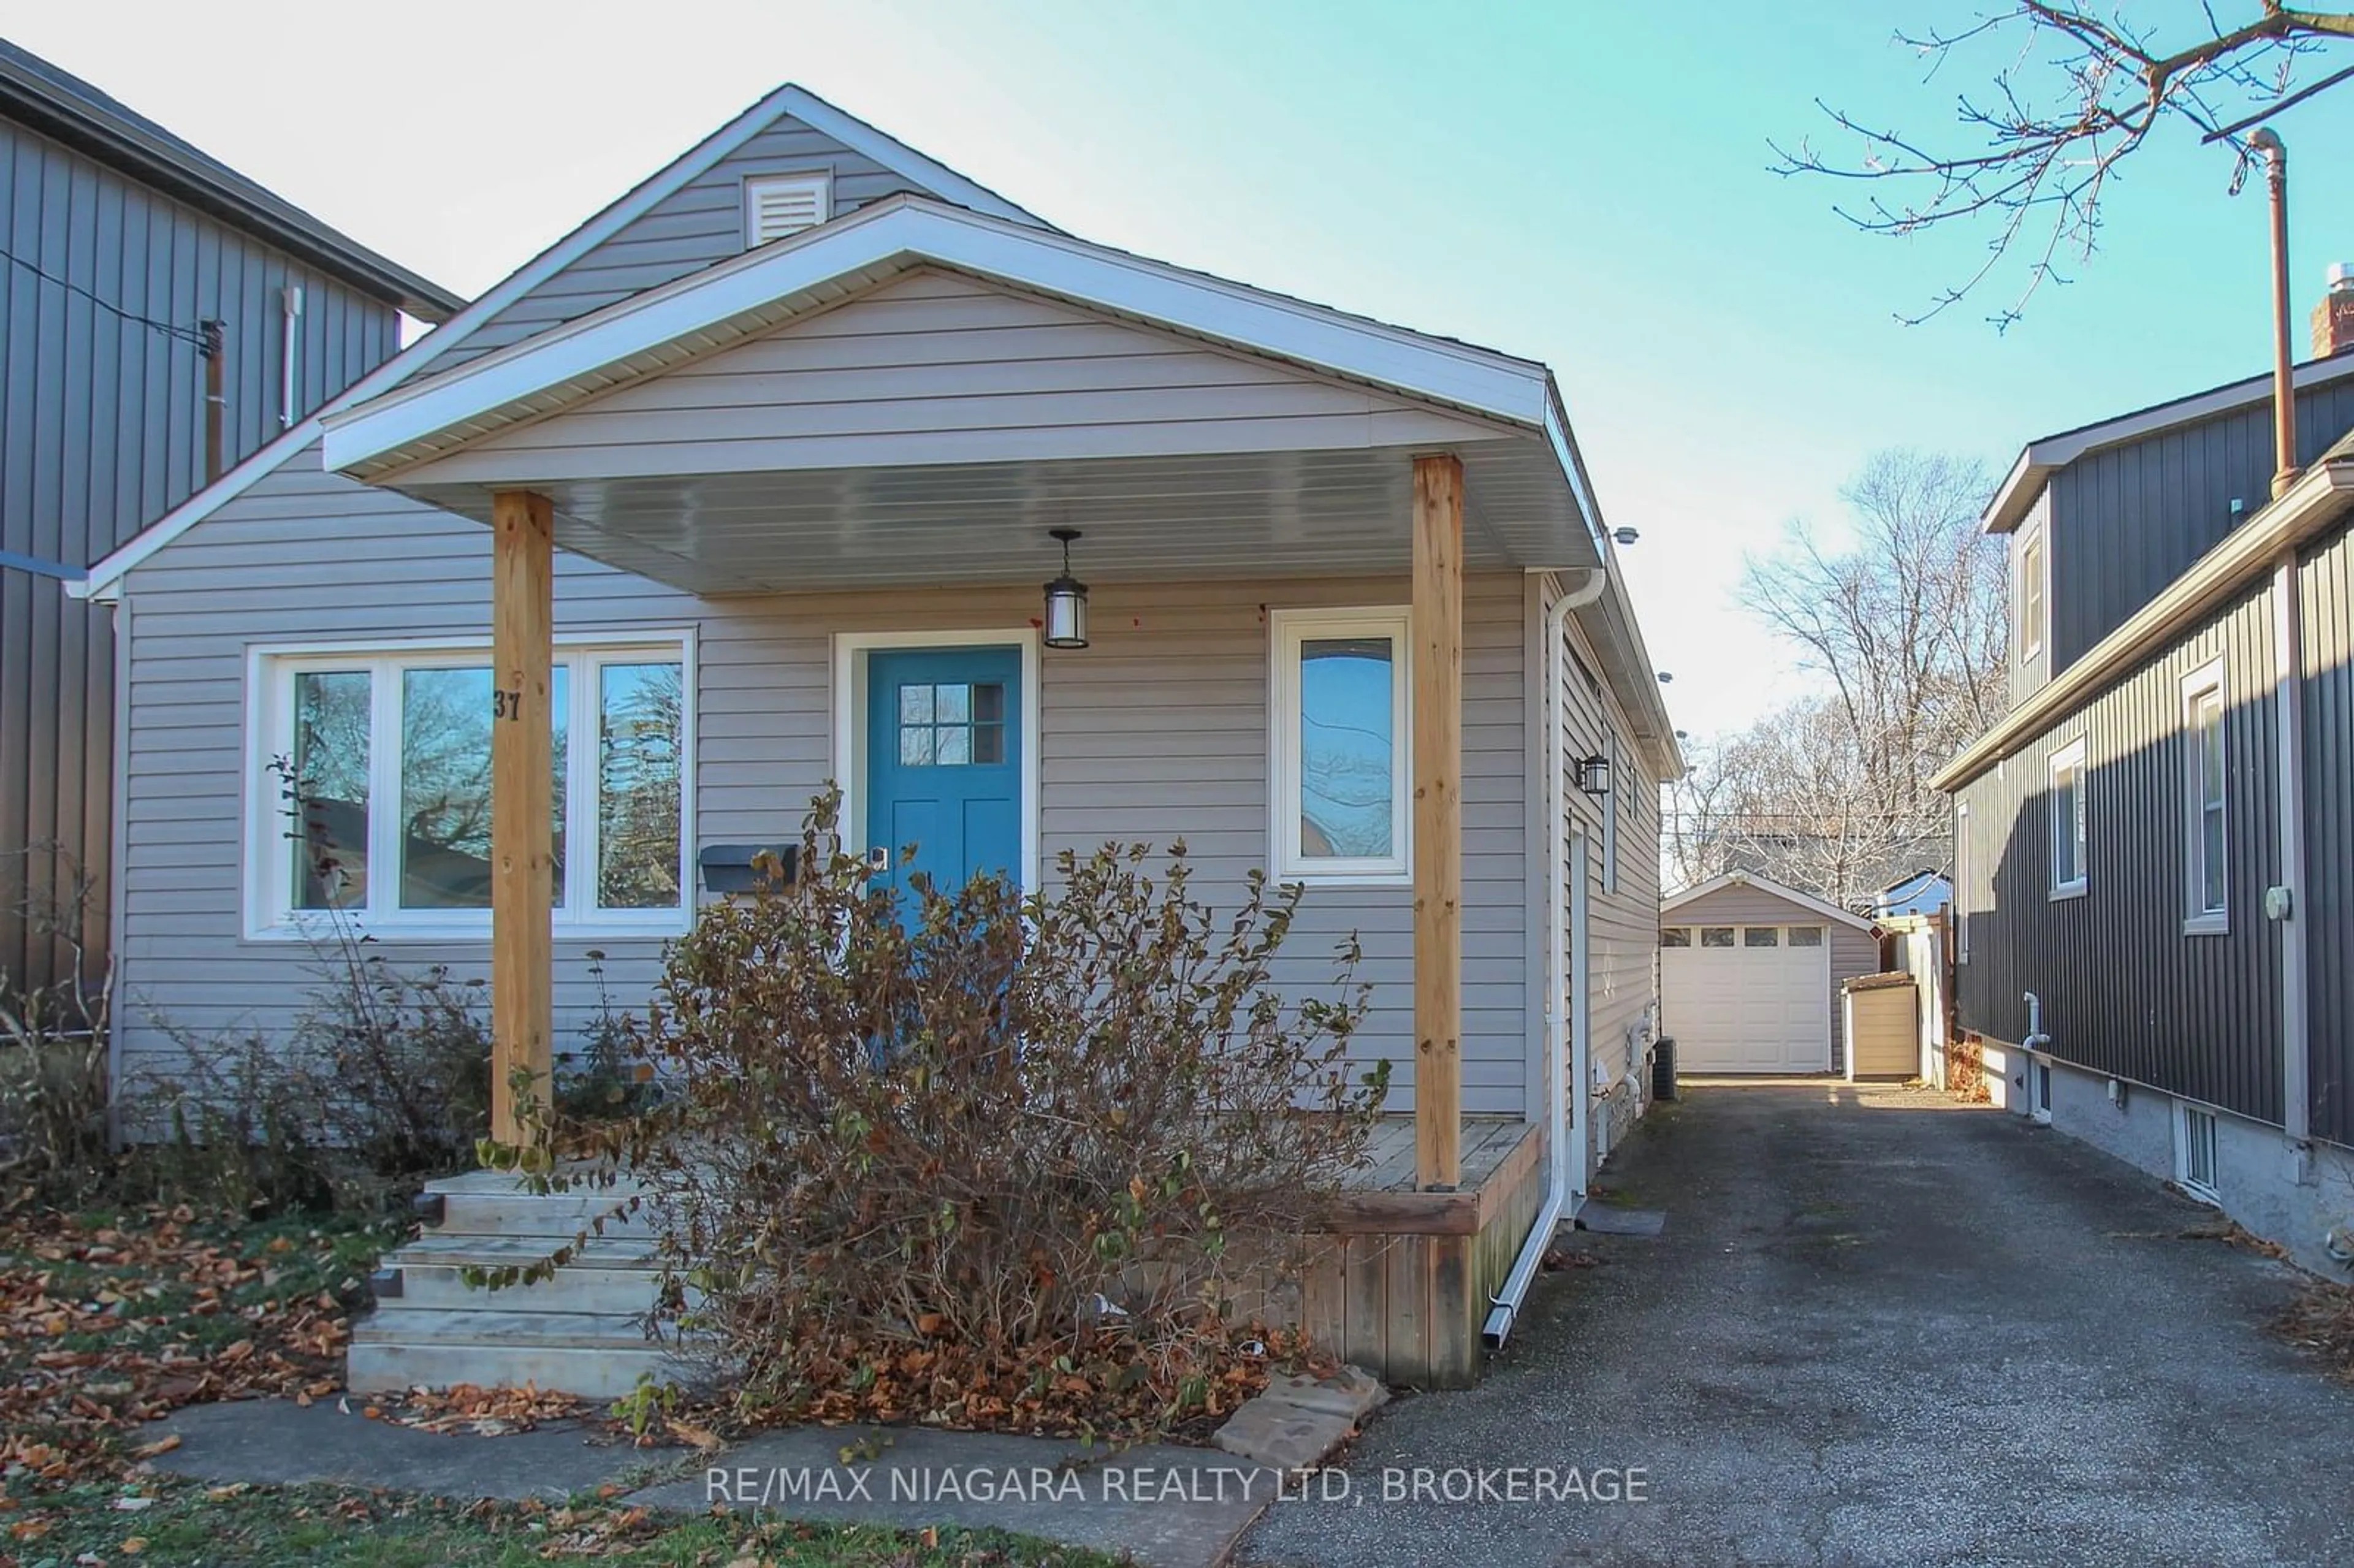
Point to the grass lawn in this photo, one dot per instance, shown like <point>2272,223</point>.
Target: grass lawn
<point>108,1320</point>
<point>189,1524</point>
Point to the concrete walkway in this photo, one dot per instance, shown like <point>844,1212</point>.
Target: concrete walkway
<point>1164,1506</point>
<point>1880,1328</point>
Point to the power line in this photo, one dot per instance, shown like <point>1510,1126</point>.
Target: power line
<point>194,337</point>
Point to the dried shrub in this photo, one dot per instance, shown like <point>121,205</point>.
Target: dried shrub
<point>1002,1130</point>
<point>382,1081</point>
<point>55,1143</point>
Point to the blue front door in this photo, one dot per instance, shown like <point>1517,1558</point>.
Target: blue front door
<point>943,760</point>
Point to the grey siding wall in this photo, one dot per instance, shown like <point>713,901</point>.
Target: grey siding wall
<point>937,367</point>
<point>101,431</point>
<point>1159,730</point>
<point>1621,995</point>
<point>701,224</point>
<point>2327,581</point>
<point>2124,991</point>
<point>1854,953</point>
<point>2130,520</point>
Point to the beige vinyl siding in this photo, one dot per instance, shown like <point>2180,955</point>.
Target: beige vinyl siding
<point>698,225</point>
<point>1854,953</point>
<point>937,367</point>
<point>1159,730</point>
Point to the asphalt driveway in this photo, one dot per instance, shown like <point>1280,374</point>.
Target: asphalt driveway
<point>1880,1329</point>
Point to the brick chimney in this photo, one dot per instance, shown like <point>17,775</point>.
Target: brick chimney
<point>2333,319</point>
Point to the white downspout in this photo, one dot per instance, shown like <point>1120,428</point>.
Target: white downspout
<point>2036,1039</point>
<point>1567,1076</point>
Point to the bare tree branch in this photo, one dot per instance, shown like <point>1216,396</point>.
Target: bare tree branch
<point>2056,123</point>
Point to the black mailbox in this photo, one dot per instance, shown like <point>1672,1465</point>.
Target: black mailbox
<point>728,868</point>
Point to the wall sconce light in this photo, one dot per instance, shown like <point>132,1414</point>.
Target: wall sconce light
<point>1067,600</point>
<point>1594,774</point>
<point>1625,535</point>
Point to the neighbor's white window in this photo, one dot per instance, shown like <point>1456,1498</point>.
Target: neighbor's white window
<point>2031,596</point>
<point>2068,821</point>
<point>2195,1151</point>
<point>371,789</point>
<point>2203,795</point>
<point>1339,730</point>
<point>778,205</point>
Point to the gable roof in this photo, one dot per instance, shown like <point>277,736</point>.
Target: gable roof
<point>106,577</point>
<point>1766,884</point>
<point>747,295</point>
<point>60,104</point>
<point>2040,459</point>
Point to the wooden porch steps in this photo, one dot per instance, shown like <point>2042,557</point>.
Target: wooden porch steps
<point>581,1330</point>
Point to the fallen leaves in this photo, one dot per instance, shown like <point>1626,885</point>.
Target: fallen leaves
<point>479,1411</point>
<point>104,1326</point>
<point>2321,1319</point>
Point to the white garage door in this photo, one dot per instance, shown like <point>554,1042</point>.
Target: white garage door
<point>1747,999</point>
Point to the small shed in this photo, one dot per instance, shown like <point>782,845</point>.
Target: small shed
<point>1749,973</point>
<point>1884,1029</point>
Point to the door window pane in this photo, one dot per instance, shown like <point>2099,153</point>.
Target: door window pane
<point>951,724</point>
<point>1806,936</point>
<point>1675,937</point>
<point>332,716</point>
<point>1716,936</point>
<point>641,737</point>
<point>1347,698</point>
<point>1761,937</point>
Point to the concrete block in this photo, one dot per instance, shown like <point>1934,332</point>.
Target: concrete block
<point>1269,1432</point>
<point>1349,1392</point>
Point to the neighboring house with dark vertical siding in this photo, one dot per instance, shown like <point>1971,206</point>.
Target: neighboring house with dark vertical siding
<point>118,242</point>
<point>2153,888</point>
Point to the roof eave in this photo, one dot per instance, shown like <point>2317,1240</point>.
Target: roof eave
<point>236,200</point>
<point>2322,495</point>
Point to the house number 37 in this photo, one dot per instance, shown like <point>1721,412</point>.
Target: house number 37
<point>506,704</point>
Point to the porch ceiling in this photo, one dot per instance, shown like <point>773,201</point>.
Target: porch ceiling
<point>1210,515</point>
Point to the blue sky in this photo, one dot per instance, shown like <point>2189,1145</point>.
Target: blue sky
<point>1580,183</point>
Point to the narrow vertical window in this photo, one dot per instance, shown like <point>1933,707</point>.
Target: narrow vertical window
<point>2205,783</point>
<point>640,737</point>
<point>1339,735</point>
<point>2069,821</point>
<point>2030,596</point>
<point>1962,886</point>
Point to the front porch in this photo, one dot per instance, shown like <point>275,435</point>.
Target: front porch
<point>917,402</point>
<point>1398,1286</point>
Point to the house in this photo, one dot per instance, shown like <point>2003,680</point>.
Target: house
<point>750,484</point>
<point>1749,975</point>
<point>138,280</point>
<point>1922,893</point>
<point>2153,888</point>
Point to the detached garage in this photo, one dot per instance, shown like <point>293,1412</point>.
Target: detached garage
<point>1749,975</point>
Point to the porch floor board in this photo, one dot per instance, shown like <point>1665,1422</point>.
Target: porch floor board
<point>1388,1164</point>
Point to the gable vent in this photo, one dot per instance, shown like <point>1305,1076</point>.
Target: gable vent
<point>778,205</point>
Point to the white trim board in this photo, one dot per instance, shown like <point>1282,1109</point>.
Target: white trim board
<point>849,688</point>
<point>104,578</point>
<point>1765,884</point>
<point>755,292</point>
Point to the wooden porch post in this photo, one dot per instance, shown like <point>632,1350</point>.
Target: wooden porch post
<point>1438,820</point>
<point>523,873</point>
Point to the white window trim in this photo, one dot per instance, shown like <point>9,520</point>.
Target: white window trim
<point>818,180</point>
<point>2042,1074</point>
<point>1960,905</point>
<point>2034,632</point>
<point>1287,629</point>
<point>2198,920</point>
<point>266,856</point>
<point>2204,1190</point>
<point>850,651</point>
<point>2070,756</point>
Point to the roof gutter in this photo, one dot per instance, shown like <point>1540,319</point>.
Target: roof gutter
<point>2318,497</point>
